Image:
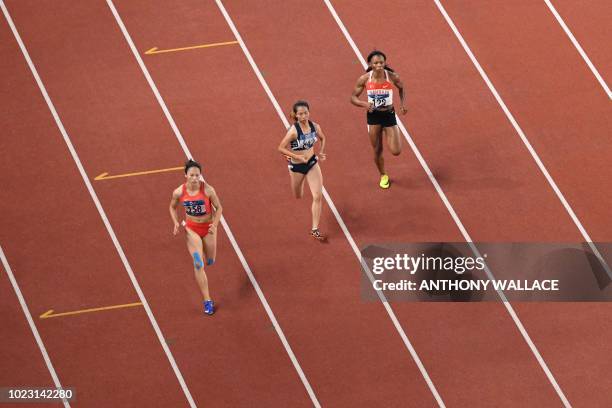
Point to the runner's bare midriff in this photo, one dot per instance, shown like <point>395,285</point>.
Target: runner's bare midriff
<point>384,108</point>
<point>199,220</point>
<point>304,153</point>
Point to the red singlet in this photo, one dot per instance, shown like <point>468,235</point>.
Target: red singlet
<point>196,206</point>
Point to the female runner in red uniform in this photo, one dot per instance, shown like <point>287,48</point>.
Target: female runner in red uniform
<point>202,213</point>
<point>298,147</point>
<point>378,82</point>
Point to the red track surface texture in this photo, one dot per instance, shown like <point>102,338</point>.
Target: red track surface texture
<point>348,352</point>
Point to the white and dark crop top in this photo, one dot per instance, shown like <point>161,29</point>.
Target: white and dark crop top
<point>304,141</point>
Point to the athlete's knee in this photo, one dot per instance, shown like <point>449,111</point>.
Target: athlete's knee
<point>197,261</point>
<point>395,147</point>
<point>299,193</point>
<point>317,197</point>
<point>376,145</point>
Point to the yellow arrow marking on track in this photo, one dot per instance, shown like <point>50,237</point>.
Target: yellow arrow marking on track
<point>155,50</point>
<point>105,176</point>
<point>49,313</point>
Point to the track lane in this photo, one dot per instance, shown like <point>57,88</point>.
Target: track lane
<point>62,263</point>
<point>589,22</point>
<point>23,364</point>
<point>553,97</point>
<point>567,118</point>
<point>322,69</point>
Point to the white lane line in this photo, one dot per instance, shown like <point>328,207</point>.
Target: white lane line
<point>95,199</point>
<point>583,54</point>
<point>329,201</point>
<point>521,134</point>
<point>455,217</point>
<point>224,223</point>
<point>26,311</point>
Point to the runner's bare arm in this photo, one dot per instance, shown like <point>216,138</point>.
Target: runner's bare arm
<point>216,204</point>
<point>323,139</point>
<point>400,86</point>
<point>357,91</point>
<point>282,147</point>
<point>176,195</point>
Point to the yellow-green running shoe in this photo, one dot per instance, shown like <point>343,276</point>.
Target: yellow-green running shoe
<point>384,181</point>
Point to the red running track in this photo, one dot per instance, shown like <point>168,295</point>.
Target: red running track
<point>567,117</point>
<point>348,349</point>
<point>587,20</point>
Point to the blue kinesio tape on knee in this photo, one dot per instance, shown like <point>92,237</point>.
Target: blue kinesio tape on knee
<point>197,260</point>
<point>210,261</point>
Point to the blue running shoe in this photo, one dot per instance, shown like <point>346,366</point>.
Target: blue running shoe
<point>209,307</point>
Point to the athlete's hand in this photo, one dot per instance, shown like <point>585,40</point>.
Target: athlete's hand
<point>212,229</point>
<point>176,228</point>
<point>322,156</point>
<point>403,110</point>
<point>370,107</point>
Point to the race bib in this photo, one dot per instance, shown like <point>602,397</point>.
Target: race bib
<point>380,97</point>
<point>195,208</point>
